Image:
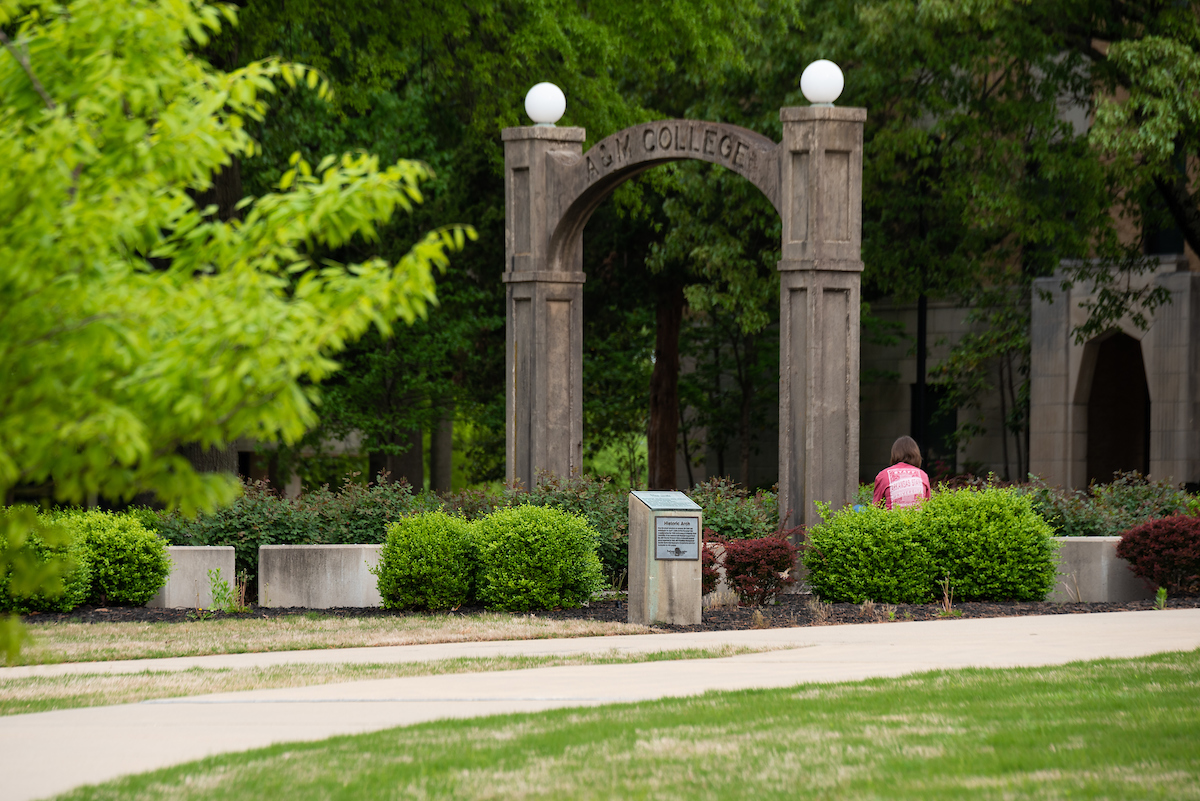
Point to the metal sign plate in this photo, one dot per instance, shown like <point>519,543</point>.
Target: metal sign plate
<point>677,537</point>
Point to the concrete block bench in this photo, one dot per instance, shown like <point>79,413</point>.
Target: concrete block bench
<point>189,584</point>
<point>318,576</point>
<point>1089,570</point>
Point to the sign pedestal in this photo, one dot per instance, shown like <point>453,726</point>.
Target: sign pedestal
<point>665,538</point>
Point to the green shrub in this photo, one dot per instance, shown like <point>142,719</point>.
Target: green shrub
<point>733,513</point>
<point>990,542</point>
<point>129,564</point>
<point>871,555</point>
<point>149,518</point>
<point>259,517</point>
<point>358,513</point>
<point>475,503</point>
<point>533,557</point>
<point>1105,510</point>
<point>427,562</point>
<point>594,499</point>
<point>604,508</point>
<point>45,547</point>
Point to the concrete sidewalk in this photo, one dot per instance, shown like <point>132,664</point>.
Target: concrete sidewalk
<point>106,742</point>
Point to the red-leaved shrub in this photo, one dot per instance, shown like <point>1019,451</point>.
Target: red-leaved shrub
<point>709,575</point>
<point>758,570</point>
<point>1165,553</point>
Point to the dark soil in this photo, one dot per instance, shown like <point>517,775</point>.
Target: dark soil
<point>790,610</point>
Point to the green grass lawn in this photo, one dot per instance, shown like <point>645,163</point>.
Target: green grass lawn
<point>1115,729</point>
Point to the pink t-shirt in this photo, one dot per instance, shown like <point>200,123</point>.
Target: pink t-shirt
<point>901,485</point>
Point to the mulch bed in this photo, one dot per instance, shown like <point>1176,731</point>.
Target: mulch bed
<point>791,610</point>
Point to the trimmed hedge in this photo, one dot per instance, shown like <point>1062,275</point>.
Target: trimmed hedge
<point>1165,553</point>
<point>533,557</point>
<point>112,559</point>
<point>990,542</point>
<point>428,562</point>
<point>129,564</point>
<point>596,501</point>
<point>75,581</point>
<point>873,554</point>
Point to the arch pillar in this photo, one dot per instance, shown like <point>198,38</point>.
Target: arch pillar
<point>820,278</point>
<point>543,312</point>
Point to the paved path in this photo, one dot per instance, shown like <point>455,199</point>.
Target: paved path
<point>106,742</point>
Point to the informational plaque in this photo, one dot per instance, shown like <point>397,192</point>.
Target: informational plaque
<point>665,577</point>
<point>676,537</point>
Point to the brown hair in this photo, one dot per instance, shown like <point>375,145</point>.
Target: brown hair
<point>905,450</point>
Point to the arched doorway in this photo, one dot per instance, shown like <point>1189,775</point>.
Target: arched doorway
<point>1118,410</point>
<point>814,180</point>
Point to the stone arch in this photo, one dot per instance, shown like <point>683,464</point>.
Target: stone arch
<point>1114,397</point>
<point>590,178</point>
<point>813,178</point>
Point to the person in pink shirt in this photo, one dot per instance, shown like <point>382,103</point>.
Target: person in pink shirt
<point>904,483</point>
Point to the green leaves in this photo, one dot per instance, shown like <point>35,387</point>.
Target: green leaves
<point>129,564</point>
<point>990,542</point>
<point>535,557</point>
<point>130,320</point>
<point>44,567</point>
<point>1162,74</point>
<point>428,562</point>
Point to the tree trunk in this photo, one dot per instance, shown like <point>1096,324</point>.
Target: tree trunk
<point>664,389</point>
<point>921,434</point>
<point>409,465</point>
<point>1003,421</point>
<point>225,192</point>
<point>744,425</point>
<point>441,444</point>
<point>745,378</point>
<point>210,460</point>
<point>687,452</point>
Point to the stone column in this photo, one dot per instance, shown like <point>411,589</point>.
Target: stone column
<point>1173,371</point>
<point>820,164</point>
<point>1050,412</point>
<point>544,329</point>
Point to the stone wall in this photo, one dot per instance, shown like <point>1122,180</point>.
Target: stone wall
<point>1063,374</point>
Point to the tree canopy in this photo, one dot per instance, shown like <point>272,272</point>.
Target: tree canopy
<point>133,320</point>
<point>439,83</point>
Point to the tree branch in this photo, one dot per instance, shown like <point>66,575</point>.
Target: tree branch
<point>24,62</point>
<point>1183,207</point>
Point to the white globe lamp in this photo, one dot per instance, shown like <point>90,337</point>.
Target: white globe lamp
<point>545,104</point>
<point>822,82</point>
